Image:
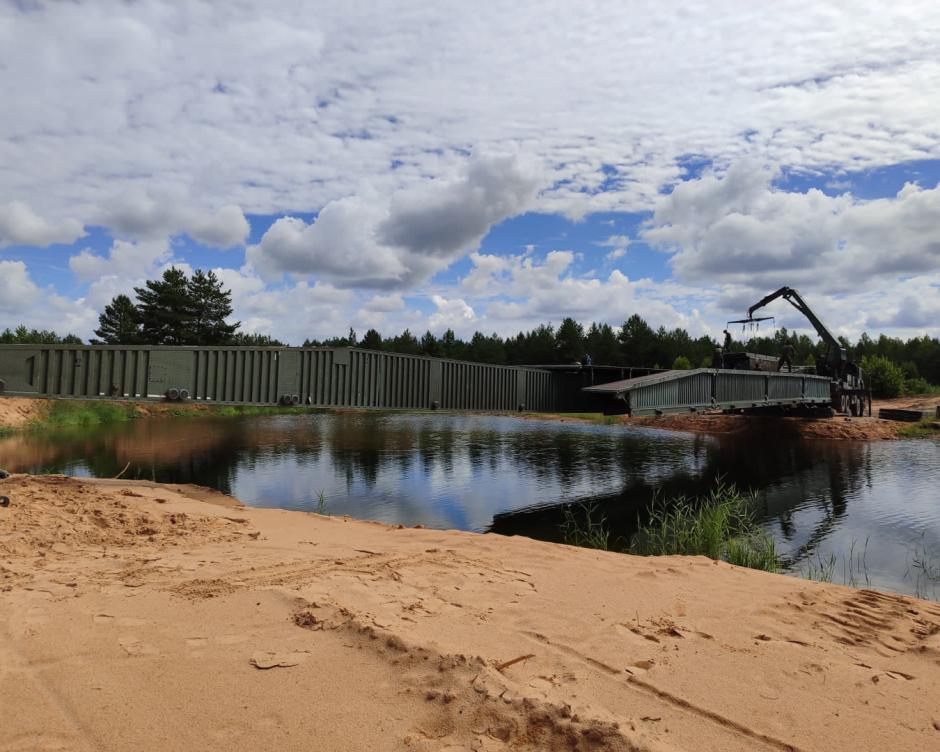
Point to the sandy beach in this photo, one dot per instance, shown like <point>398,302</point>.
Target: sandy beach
<point>146,617</point>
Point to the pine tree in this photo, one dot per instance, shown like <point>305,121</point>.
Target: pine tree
<point>209,306</point>
<point>165,309</point>
<point>371,340</point>
<point>430,345</point>
<point>120,322</point>
<point>405,343</point>
<point>569,341</point>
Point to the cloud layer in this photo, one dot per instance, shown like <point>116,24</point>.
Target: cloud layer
<point>380,143</point>
<point>739,229</point>
<point>397,242</point>
<point>284,112</point>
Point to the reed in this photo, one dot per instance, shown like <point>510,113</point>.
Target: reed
<point>583,525</point>
<point>722,525</point>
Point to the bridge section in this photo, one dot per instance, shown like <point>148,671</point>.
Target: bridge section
<point>322,376</point>
<point>707,388</point>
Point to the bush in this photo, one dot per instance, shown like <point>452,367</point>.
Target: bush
<point>918,385</point>
<point>884,377</point>
<point>681,363</point>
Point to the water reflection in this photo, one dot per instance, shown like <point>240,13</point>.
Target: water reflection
<point>511,476</point>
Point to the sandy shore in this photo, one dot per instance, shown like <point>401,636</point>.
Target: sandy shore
<point>145,617</point>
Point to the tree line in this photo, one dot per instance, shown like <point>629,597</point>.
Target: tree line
<point>181,310</point>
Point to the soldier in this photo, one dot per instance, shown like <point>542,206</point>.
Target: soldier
<point>727,341</point>
<point>786,358</point>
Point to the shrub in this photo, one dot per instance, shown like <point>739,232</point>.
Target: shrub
<point>884,377</point>
<point>681,363</point>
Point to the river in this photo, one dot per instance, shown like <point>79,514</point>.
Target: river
<point>864,513</point>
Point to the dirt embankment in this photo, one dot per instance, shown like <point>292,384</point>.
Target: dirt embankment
<point>137,616</point>
<point>840,427</point>
<point>16,412</point>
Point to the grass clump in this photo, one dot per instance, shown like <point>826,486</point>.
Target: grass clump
<point>924,429</point>
<point>583,526</point>
<point>924,569</point>
<point>83,413</point>
<point>721,526</point>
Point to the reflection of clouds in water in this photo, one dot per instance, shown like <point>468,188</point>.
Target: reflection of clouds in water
<point>447,470</point>
<point>846,494</point>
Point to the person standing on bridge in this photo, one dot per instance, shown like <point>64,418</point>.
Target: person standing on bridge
<point>727,341</point>
<point>786,358</point>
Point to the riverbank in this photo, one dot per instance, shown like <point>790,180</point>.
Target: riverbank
<point>22,413</point>
<point>141,616</point>
<point>837,428</point>
<point>26,413</point>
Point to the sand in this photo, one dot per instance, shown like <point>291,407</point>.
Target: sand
<point>16,412</point>
<point>144,617</point>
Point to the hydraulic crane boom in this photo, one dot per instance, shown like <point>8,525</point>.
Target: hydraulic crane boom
<point>837,354</point>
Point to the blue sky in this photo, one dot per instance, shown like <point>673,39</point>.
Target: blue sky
<point>437,165</point>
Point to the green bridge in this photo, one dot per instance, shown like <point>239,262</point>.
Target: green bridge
<point>351,377</point>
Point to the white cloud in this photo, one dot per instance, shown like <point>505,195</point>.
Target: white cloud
<point>619,244</point>
<point>510,293</point>
<point>157,213</point>
<point>452,313</point>
<point>159,118</point>
<point>385,303</point>
<point>370,242</point>
<point>738,229</point>
<point>22,301</point>
<point>283,111</point>
<point>20,225</point>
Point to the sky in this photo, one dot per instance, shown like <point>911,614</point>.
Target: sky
<point>474,166</point>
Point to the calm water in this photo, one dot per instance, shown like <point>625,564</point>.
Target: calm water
<point>511,476</point>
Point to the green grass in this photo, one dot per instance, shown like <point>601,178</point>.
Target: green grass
<point>926,428</point>
<point>82,413</point>
<point>924,569</point>
<point>721,525</point>
<point>321,503</point>
<point>854,569</point>
<point>582,526</point>
<point>77,414</point>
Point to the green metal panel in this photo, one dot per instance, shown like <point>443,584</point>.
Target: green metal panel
<point>170,369</point>
<point>287,367</point>
<point>319,376</point>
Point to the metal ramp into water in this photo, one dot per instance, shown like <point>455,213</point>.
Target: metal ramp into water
<point>709,388</point>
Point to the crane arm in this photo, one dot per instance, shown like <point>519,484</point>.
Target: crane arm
<point>837,353</point>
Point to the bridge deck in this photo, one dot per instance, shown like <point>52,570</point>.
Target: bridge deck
<point>708,388</point>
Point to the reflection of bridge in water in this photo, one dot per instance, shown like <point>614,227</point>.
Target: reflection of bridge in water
<point>786,472</point>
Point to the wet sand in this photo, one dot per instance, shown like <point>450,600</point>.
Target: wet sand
<point>147,617</point>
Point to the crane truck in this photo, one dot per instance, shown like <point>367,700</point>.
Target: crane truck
<point>847,381</point>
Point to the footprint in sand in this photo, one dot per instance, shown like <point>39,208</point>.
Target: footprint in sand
<point>133,646</point>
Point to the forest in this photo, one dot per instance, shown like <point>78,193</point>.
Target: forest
<point>182,310</point>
